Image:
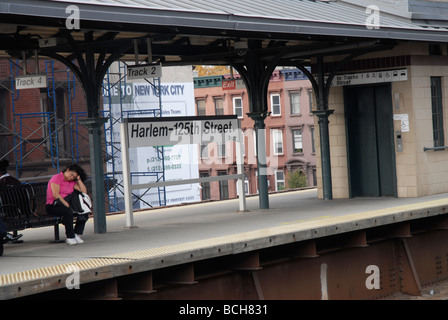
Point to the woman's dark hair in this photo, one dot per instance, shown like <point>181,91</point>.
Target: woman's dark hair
<point>80,171</point>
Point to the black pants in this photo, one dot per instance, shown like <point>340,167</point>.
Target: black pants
<point>60,210</point>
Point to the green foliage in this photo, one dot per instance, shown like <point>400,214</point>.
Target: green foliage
<point>297,180</point>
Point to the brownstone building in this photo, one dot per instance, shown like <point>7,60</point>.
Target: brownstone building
<point>289,132</point>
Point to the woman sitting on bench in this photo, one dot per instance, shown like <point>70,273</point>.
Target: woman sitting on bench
<point>63,193</point>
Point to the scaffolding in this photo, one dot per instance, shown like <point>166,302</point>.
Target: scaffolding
<point>59,138</point>
<point>45,137</point>
<point>116,109</point>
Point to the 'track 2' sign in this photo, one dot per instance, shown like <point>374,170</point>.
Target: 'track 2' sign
<point>140,72</point>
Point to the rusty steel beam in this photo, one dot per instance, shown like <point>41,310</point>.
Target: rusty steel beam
<point>141,283</point>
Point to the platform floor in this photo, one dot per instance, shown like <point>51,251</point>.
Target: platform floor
<point>201,224</point>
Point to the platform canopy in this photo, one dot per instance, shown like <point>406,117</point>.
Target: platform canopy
<point>211,31</point>
<point>254,36</point>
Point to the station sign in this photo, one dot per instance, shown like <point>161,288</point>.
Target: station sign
<point>370,77</point>
<point>31,81</point>
<point>145,132</point>
<point>140,72</point>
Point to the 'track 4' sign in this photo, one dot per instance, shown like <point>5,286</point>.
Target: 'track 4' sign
<point>31,82</point>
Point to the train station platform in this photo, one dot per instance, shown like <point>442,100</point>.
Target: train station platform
<point>168,236</point>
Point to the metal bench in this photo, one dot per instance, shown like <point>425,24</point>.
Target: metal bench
<point>19,210</point>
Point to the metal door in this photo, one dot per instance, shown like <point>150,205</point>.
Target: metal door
<point>370,140</point>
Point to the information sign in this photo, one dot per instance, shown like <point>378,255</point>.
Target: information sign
<point>31,81</point>
<point>140,72</point>
<point>370,77</point>
<point>144,132</point>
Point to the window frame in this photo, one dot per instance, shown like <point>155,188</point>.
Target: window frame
<point>437,111</point>
<point>272,95</point>
<point>241,106</point>
<point>298,104</point>
<point>197,107</point>
<point>275,133</point>
<point>293,130</point>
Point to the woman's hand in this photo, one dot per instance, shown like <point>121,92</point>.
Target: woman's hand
<point>55,191</point>
<point>80,186</point>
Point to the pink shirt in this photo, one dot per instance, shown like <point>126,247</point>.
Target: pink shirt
<point>65,187</point>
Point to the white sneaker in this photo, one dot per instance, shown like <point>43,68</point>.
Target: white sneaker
<point>71,241</point>
<point>78,239</point>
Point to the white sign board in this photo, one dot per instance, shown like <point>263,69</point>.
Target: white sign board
<point>146,71</point>
<point>31,81</point>
<point>404,120</point>
<point>144,132</point>
<point>370,77</point>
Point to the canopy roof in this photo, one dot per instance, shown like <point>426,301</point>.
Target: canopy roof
<point>206,31</point>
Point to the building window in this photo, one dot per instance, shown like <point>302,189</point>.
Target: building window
<point>205,187</point>
<point>437,111</point>
<point>275,104</point>
<point>221,149</point>
<point>238,106</point>
<point>200,107</point>
<point>219,106</point>
<point>279,180</point>
<point>277,139</point>
<point>223,186</point>
<point>294,98</point>
<point>204,150</point>
<point>297,146</point>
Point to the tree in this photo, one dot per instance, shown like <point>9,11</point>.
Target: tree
<point>297,179</point>
<point>211,70</point>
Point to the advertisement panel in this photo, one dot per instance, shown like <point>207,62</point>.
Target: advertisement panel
<point>150,164</point>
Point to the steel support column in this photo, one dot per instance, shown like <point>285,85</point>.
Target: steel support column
<point>323,113</point>
<point>96,168</point>
<point>262,167</point>
<point>325,152</point>
<point>256,75</point>
<point>90,71</point>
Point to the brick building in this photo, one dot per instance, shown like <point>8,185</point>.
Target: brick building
<point>39,129</point>
<point>289,132</point>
